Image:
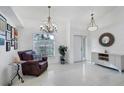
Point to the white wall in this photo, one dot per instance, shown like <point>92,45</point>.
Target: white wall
<point>112,22</point>
<point>5,59</point>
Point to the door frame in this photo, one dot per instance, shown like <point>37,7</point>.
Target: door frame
<point>82,37</point>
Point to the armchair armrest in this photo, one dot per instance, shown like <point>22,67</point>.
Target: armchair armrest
<point>31,62</point>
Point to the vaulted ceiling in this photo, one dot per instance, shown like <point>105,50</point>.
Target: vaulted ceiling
<point>34,15</point>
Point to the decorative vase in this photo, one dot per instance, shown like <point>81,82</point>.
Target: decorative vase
<point>62,59</point>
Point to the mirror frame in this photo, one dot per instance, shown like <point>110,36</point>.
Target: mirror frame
<point>111,39</point>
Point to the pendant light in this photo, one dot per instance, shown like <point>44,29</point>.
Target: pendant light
<point>92,26</point>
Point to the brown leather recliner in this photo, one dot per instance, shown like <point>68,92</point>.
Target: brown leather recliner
<point>31,65</point>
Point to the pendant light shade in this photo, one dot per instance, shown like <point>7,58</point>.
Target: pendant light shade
<point>92,26</point>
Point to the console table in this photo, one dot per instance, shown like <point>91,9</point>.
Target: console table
<point>115,61</point>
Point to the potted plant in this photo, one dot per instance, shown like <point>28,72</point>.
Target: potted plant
<point>62,50</point>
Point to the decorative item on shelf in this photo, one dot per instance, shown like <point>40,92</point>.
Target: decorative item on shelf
<point>92,26</point>
<point>48,26</point>
<point>106,51</point>
<point>62,50</point>
<point>106,39</point>
<point>3,24</point>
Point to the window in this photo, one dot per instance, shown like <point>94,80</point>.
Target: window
<point>43,44</point>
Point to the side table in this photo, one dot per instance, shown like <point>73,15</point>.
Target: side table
<point>17,73</point>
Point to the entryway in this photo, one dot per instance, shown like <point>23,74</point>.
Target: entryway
<point>79,48</point>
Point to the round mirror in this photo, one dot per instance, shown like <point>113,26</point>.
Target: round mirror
<point>106,39</point>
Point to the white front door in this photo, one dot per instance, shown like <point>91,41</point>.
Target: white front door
<point>79,48</point>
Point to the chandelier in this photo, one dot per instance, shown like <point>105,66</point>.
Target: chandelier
<point>48,26</point>
<point>92,26</point>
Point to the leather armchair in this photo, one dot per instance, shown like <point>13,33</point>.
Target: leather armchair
<point>32,66</point>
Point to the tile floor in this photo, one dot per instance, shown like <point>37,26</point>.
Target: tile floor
<point>77,74</point>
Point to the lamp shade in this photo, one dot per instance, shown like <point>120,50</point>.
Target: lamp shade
<point>92,28</point>
<point>16,59</point>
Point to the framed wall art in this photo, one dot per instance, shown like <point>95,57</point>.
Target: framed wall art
<point>15,33</point>
<point>15,39</point>
<point>16,44</point>
<point>8,46</point>
<point>8,32</point>
<point>8,35</point>
<point>12,37</point>
<point>12,33</point>
<point>9,27</point>
<point>3,25</point>
<point>2,40</point>
<point>12,42</point>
